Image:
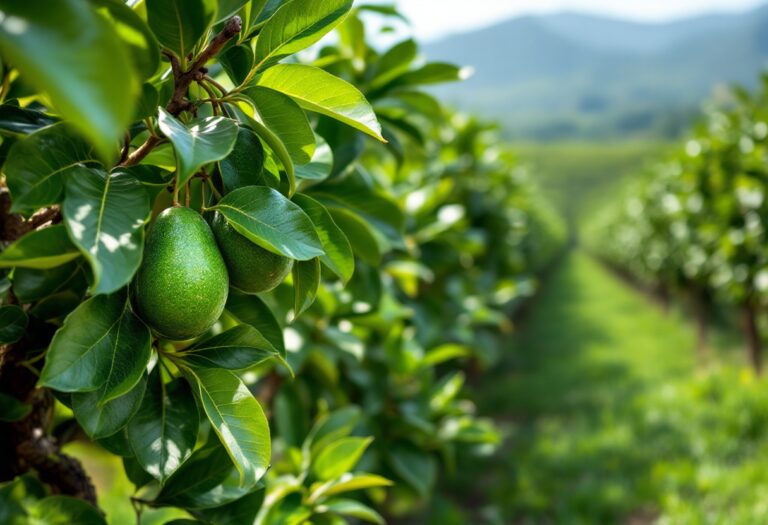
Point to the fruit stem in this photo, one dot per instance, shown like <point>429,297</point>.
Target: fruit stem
<point>176,193</point>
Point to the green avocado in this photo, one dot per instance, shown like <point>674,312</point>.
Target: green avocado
<point>182,284</point>
<point>251,268</point>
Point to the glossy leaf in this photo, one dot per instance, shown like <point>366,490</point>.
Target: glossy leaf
<point>338,252</point>
<point>319,91</point>
<point>208,479</point>
<point>306,280</point>
<point>135,35</point>
<point>178,24</point>
<point>40,250</point>
<point>104,215</point>
<point>237,61</point>
<point>86,73</point>
<point>16,121</point>
<point>164,430</point>
<point>35,166</point>
<point>198,143</point>
<point>238,420</point>
<point>100,419</point>
<point>349,483</point>
<point>286,119</point>
<point>228,8</point>
<point>321,165</point>
<point>238,348</point>
<point>339,457</point>
<point>31,285</point>
<point>251,310</point>
<point>394,62</point>
<point>360,235</point>
<point>102,345</point>
<point>297,25</point>
<point>245,165</point>
<point>273,222</point>
<point>280,151</point>
<point>239,512</point>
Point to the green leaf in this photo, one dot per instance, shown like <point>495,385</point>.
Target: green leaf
<point>102,345</point>
<point>100,419</point>
<point>238,420</point>
<point>135,35</point>
<point>433,73</point>
<point>198,143</point>
<point>252,310</point>
<point>444,353</point>
<point>349,483</point>
<point>306,280</point>
<point>35,166</point>
<point>11,409</point>
<point>239,512</point>
<point>268,219</point>
<point>319,91</point>
<point>360,235</point>
<point>416,467</point>
<point>32,285</point>
<point>339,457</point>
<point>394,62</point>
<point>297,25</point>
<point>321,165</point>
<point>286,119</point>
<point>16,121</point>
<point>63,510</point>
<point>228,8</point>
<point>238,348</point>
<point>245,165</point>
<point>13,323</point>
<point>338,252</point>
<point>237,61</point>
<point>279,149</point>
<point>355,509</point>
<point>40,249</point>
<point>336,425</point>
<point>86,73</point>
<point>356,194</point>
<point>164,430</point>
<point>206,480</point>
<point>105,216</point>
<point>17,496</point>
<point>178,24</point>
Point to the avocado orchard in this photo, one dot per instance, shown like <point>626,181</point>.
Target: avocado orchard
<point>255,276</point>
<point>696,228</point>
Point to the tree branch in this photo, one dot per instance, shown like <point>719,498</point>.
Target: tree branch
<point>182,81</point>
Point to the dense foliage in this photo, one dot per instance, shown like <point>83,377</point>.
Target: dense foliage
<point>335,249</point>
<point>696,227</point>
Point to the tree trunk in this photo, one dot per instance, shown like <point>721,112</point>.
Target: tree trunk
<point>752,334</point>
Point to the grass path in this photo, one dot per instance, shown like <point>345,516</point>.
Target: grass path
<point>609,421</point>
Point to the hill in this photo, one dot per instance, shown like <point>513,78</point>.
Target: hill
<point>572,75</point>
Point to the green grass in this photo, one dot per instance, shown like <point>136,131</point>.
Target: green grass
<point>580,176</point>
<point>610,419</point>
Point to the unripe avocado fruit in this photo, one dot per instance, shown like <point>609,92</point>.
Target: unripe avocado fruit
<point>252,269</point>
<point>182,284</point>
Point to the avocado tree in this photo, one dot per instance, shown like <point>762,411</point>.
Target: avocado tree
<point>213,266</point>
<point>698,224</point>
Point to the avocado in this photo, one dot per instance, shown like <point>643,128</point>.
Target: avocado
<point>182,284</point>
<point>252,269</point>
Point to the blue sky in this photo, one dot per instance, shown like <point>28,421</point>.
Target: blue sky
<point>434,18</point>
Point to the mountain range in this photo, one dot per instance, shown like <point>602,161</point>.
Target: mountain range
<point>572,75</point>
